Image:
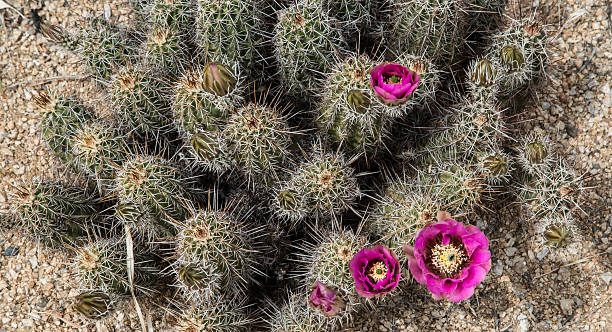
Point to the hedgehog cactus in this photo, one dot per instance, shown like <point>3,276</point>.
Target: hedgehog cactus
<point>215,254</point>
<point>61,117</point>
<point>102,46</point>
<point>227,29</point>
<point>164,50</point>
<point>551,192</point>
<point>99,150</point>
<point>404,209</point>
<point>177,15</point>
<point>535,154</point>
<point>138,102</point>
<point>429,80</point>
<point>102,265</point>
<point>327,261</point>
<point>307,44</point>
<point>520,51</point>
<point>218,316</point>
<point>457,187</point>
<point>353,15</point>
<point>432,28</point>
<point>204,97</point>
<point>156,186</point>
<point>257,139</point>
<point>323,186</point>
<point>54,213</point>
<point>295,315</point>
<point>350,110</point>
<point>476,125</point>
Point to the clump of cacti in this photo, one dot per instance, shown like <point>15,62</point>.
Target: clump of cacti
<point>341,88</point>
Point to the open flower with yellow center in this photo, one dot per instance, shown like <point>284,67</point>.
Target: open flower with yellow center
<point>450,258</point>
<point>375,270</point>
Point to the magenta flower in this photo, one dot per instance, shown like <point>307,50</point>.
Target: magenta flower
<point>393,83</point>
<point>325,300</point>
<point>450,258</point>
<point>376,271</point>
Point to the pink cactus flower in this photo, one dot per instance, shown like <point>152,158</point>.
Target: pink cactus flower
<point>450,258</point>
<point>393,83</point>
<point>326,300</point>
<point>376,271</point>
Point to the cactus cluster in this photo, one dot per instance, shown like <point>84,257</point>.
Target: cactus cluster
<point>295,141</point>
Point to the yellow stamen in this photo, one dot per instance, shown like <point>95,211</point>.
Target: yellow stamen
<point>378,271</point>
<point>447,258</point>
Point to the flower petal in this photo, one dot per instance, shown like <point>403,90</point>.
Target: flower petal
<point>477,274</point>
<point>461,293</point>
<point>480,256</point>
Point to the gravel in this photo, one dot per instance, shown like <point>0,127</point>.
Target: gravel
<point>526,290</point>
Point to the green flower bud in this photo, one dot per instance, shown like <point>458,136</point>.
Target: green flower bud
<point>203,146</point>
<point>511,57</point>
<point>94,305</point>
<point>557,236</point>
<point>218,79</point>
<point>286,199</point>
<point>191,275</point>
<point>496,164</point>
<point>358,101</point>
<point>536,152</point>
<point>483,73</point>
